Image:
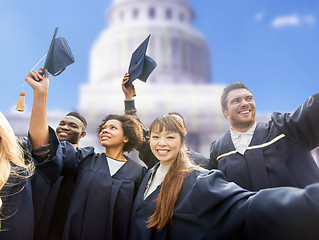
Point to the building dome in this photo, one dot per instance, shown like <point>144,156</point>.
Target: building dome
<point>181,53</point>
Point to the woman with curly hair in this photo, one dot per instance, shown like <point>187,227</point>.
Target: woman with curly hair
<point>105,183</point>
<point>16,209</point>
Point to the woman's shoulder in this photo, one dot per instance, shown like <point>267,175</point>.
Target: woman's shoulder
<point>137,165</point>
<point>197,170</point>
<point>193,175</point>
<point>18,172</point>
<point>17,180</point>
<point>86,152</point>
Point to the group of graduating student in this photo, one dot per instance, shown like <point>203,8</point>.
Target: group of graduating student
<point>259,183</point>
<point>110,196</point>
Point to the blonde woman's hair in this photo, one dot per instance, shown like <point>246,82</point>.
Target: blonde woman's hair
<point>11,155</point>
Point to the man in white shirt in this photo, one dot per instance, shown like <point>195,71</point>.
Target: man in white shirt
<point>262,155</point>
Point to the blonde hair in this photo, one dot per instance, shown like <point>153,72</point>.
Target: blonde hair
<point>174,179</point>
<point>11,155</point>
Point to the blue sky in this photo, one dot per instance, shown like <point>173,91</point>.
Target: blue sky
<point>270,45</point>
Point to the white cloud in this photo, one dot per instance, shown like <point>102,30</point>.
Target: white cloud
<point>259,16</point>
<point>293,20</point>
<point>309,19</point>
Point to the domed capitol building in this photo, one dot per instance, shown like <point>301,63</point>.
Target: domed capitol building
<point>181,82</point>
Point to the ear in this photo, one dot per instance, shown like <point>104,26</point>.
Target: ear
<point>125,139</point>
<point>83,134</point>
<point>224,111</point>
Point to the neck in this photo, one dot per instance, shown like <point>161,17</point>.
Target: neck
<point>242,128</point>
<point>75,145</point>
<point>115,154</point>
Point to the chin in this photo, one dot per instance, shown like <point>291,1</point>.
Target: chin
<point>63,139</point>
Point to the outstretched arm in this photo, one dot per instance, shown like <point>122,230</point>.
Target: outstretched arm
<point>38,129</point>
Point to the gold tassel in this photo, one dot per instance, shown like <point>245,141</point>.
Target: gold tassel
<point>20,103</point>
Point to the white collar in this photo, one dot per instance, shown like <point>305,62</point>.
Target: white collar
<point>236,134</point>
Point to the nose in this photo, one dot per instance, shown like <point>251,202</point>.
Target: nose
<point>64,127</point>
<point>244,102</point>
<point>162,142</point>
<point>104,130</point>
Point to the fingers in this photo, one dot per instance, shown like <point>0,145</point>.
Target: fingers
<point>46,74</point>
<point>37,82</point>
<point>34,75</point>
<point>126,78</point>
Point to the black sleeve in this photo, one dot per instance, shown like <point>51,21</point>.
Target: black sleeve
<point>302,125</point>
<point>212,164</point>
<point>129,107</point>
<point>145,153</point>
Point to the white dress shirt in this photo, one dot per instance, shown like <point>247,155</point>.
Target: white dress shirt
<point>241,140</point>
<point>157,179</point>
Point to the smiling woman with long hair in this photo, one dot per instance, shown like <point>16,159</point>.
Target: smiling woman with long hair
<point>16,209</point>
<point>165,185</point>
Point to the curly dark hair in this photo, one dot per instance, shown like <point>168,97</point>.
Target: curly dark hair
<point>132,129</point>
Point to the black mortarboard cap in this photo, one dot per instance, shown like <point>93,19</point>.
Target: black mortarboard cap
<point>59,55</point>
<point>141,65</point>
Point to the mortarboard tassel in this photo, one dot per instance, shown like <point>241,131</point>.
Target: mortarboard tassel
<point>20,103</point>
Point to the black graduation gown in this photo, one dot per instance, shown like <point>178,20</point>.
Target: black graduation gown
<point>198,158</point>
<point>210,207</point>
<point>143,209</point>
<point>18,207</point>
<point>278,154</point>
<point>101,204</point>
<point>51,202</point>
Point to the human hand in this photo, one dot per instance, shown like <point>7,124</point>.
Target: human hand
<point>38,83</point>
<point>128,91</point>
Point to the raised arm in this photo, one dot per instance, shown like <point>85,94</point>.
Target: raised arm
<point>38,129</point>
<point>129,93</point>
<point>302,125</point>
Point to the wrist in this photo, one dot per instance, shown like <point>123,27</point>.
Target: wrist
<point>128,97</point>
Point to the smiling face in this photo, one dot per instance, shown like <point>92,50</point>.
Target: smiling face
<point>165,145</point>
<point>112,134</point>
<point>241,109</point>
<point>70,129</point>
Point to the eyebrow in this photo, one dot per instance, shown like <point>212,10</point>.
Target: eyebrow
<point>167,132</point>
<point>69,122</point>
<point>110,124</point>
<point>245,96</point>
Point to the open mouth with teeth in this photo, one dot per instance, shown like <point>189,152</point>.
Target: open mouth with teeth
<point>245,112</point>
<point>63,134</point>
<point>162,152</point>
